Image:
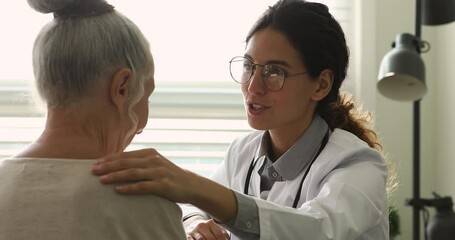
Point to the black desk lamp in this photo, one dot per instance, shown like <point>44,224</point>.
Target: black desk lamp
<point>402,78</point>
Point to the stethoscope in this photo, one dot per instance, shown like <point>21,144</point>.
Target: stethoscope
<point>297,196</point>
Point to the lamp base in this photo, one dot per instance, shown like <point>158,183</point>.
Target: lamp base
<point>441,226</point>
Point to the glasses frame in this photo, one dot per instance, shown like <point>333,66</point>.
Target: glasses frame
<point>253,65</point>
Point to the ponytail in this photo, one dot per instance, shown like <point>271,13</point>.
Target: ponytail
<point>344,114</point>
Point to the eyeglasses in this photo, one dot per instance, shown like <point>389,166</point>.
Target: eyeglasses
<point>273,77</point>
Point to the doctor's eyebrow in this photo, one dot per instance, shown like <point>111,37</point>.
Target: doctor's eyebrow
<point>271,62</point>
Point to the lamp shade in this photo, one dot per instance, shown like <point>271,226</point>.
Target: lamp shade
<point>436,12</point>
<point>402,71</point>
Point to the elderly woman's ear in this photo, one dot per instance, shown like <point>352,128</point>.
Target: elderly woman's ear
<point>119,90</point>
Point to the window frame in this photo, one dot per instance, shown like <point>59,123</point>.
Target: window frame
<point>207,114</point>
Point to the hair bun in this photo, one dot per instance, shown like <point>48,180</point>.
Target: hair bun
<point>71,8</point>
<point>48,6</point>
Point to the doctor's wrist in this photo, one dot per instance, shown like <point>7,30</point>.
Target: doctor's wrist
<point>215,199</point>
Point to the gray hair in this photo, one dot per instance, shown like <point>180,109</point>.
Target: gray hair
<point>72,56</point>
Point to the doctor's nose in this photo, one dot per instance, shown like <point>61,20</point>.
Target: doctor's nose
<point>256,84</point>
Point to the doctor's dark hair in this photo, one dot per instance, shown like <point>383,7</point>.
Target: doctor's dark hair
<point>321,44</point>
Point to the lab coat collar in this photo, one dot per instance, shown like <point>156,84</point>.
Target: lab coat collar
<point>297,158</point>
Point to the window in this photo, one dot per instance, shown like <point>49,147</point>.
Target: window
<point>196,109</point>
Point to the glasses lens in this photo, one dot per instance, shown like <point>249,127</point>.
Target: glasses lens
<point>273,77</point>
<point>241,69</point>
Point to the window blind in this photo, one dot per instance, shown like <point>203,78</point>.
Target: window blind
<point>192,121</point>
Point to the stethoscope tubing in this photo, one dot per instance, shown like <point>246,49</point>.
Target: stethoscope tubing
<point>297,197</point>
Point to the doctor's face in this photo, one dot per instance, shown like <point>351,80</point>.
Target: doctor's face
<point>288,109</point>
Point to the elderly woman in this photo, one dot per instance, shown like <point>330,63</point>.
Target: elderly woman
<point>94,71</point>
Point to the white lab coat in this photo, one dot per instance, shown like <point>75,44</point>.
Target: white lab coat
<point>343,197</point>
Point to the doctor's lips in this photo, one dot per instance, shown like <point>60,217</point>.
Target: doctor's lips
<point>256,106</point>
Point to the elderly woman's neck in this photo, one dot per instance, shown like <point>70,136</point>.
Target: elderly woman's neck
<point>76,134</point>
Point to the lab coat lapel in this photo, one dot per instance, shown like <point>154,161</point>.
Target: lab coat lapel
<point>283,193</point>
<point>255,185</point>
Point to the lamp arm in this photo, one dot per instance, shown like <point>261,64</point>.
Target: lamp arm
<point>440,203</point>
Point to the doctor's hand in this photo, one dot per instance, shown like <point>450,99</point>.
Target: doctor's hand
<point>146,172</point>
<point>199,228</point>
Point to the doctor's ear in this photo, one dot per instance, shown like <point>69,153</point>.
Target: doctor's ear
<point>324,85</point>
<point>119,89</point>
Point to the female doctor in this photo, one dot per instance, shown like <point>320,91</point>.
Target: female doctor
<point>312,170</point>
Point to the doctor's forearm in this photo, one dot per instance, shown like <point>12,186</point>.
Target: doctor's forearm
<point>215,199</point>
<point>245,224</point>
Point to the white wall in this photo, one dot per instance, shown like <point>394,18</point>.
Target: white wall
<point>394,119</point>
<point>444,49</point>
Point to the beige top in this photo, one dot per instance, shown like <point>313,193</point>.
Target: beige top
<point>60,199</point>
